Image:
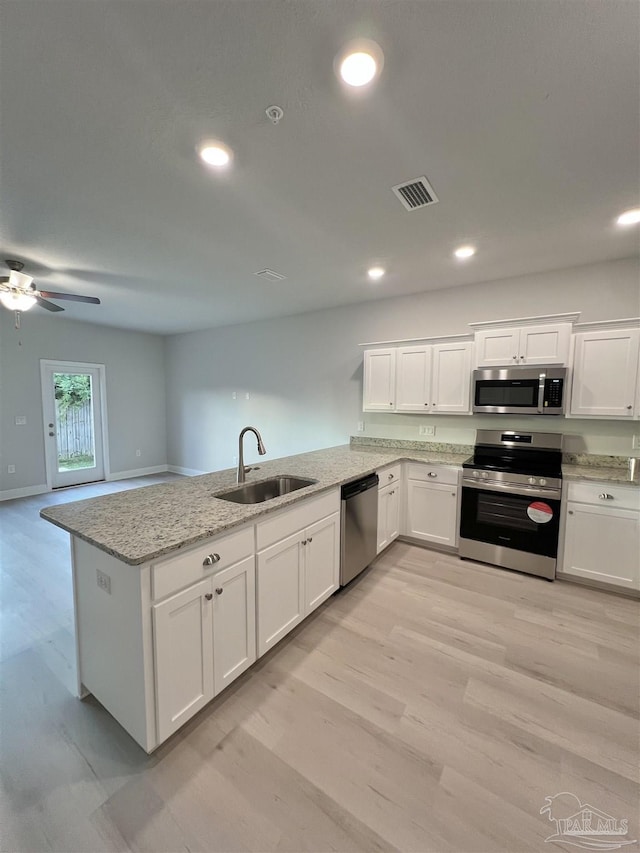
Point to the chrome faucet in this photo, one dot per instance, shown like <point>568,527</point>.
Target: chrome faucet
<point>261,450</point>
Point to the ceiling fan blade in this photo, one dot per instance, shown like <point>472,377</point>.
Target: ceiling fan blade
<point>48,305</point>
<point>72,296</point>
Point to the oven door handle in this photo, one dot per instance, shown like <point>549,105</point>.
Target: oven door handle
<point>511,488</point>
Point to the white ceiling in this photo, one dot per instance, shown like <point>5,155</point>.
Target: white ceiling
<point>523,115</point>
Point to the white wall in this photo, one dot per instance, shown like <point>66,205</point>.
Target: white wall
<point>135,375</point>
<point>303,374</point>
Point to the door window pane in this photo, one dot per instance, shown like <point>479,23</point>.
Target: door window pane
<point>74,421</point>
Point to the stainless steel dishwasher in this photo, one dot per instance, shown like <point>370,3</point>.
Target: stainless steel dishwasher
<point>359,526</point>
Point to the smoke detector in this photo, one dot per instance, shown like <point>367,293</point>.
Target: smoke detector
<point>274,113</point>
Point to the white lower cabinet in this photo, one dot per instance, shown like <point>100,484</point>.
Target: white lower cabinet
<point>432,504</point>
<point>204,637</point>
<point>602,534</point>
<point>299,568</point>
<point>388,515</point>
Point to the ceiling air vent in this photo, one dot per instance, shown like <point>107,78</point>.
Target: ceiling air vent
<point>270,275</point>
<point>416,193</point>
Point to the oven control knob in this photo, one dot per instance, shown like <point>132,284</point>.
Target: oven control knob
<point>543,482</point>
<point>532,480</point>
<point>484,475</point>
<point>476,473</point>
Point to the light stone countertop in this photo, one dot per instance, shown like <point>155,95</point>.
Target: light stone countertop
<point>607,474</point>
<point>143,524</point>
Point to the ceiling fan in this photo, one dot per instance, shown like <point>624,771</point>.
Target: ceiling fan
<point>17,292</point>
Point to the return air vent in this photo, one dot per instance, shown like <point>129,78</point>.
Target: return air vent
<point>416,193</point>
<point>270,275</point>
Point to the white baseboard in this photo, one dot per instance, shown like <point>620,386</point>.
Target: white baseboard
<point>25,492</point>
<point>136,472</point>
<point>188,472</point>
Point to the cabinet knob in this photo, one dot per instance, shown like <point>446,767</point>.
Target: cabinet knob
<point>515,357</point>
<point>431,474</point>
<point>605,497</point>
<point>522,357</point>
<point>629,407</point>
<point>426,404</point>
<point>391,476</point>
<point>208,596</point>
<point>211,559</point>
<point>219,590</point>
<point>391,404</point>
<point>304,542</point>
<point>570,512</point>
<point>310,539</point>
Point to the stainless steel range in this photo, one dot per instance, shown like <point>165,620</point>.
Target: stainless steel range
<point>511,489</point>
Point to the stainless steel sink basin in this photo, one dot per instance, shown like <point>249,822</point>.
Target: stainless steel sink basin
<point>256,493</point>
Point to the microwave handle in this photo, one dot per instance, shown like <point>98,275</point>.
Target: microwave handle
<point>541,383</point>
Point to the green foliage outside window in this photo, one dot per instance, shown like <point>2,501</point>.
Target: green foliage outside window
<point>71,390</point>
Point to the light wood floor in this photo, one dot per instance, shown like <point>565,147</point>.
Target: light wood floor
<point>431,706</point>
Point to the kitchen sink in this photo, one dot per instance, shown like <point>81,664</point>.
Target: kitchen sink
<point>255,493</point>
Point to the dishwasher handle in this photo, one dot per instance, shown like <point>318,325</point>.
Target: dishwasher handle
<point>350,490</point>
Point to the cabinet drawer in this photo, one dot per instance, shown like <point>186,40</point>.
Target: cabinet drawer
<point>291,519</point>
<point>433,473</point>
<point>391,474</point>
<point>622,497</point>
<point>188,567</point>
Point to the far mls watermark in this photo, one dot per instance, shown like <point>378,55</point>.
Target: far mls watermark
<point>583,825</point>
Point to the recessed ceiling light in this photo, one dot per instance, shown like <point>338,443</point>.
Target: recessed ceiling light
<point>630,217</point>
<point>376,272</point>
<point>464,252</point>
<point>359,62</point>
<point>215,154</point>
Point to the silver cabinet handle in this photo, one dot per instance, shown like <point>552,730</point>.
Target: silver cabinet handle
<point>208,596</point>
<point>605,497</point>
<point>219,590</point>
<point>211,559</point>
<point>431,474</point>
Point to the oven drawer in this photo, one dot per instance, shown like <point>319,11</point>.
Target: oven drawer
<point>605,494</point>
<point>433,473</point>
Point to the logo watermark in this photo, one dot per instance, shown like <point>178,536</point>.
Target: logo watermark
<point>583,825</point>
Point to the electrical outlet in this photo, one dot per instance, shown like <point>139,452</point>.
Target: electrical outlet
<point>427,430</point>
<point>636,442</point>
<point>21,420</point>
<point>235,460</point>
<point>104,581</point>
<point>234,395</point>
<point>247,396</point>
<point>360,426</point>
<point>138,452</point>
<point>11,469</point>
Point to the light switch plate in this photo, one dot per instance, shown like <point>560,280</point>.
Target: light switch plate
<point>21,420</point>
<point>360,426</point>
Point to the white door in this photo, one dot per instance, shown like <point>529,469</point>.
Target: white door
<point>497,347</point>
<point>183,640</point>
<point>234,622</point>
<point>280,595</point>
<point>413,378</point>
<point>431,512</point>
<point>321,561</point>
<point>545,344</point>
<point>379,380</point>
<point>73,409</point>
<point>605,371</point>
<point>603,544</point>
<point>451,385</point>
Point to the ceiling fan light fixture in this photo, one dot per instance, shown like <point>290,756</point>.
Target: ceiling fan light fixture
<point>359,62</point>
<point>17,301</point>
<point>20,280</point>
<point>216,154</point>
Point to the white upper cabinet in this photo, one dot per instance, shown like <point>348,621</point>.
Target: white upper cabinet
<point>451,378</point>
<point>605,374</point>
<point>379,380</point>
<point>428,378</point>
<point>530,345</point>
<point>413,378</point>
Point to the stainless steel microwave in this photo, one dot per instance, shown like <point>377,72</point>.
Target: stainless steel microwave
<point>520,391</point>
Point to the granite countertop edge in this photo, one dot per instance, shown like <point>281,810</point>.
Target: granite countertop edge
<point>141,525</point>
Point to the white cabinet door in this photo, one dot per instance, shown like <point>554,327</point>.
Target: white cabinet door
<point>393,513</point>
<point>431,512</point>
<point>602,544</point>
<point>321,555</point>
<point>413,379</point>
<point>379,380</point>
<point>234,622</point>
<point>548,344</point>
<point>383,532</point>
<point>280,590</point>
<point>183,639</point>
<point>451,378</point>
<point>497,347</point>
<point>605,373</point>
<point>536,344</point>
